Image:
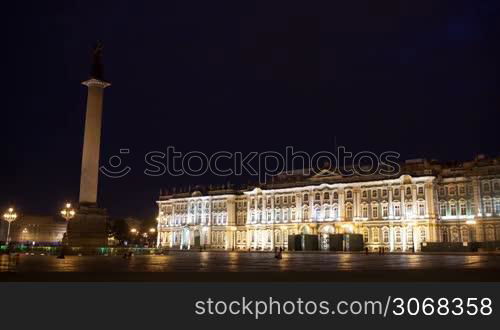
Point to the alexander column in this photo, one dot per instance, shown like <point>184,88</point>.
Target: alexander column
<point>88,227</point>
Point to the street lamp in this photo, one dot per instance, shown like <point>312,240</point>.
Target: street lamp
<point>134,232</point>
<point>152,231</point>
<point>9,216</point>
<point>68,213</point>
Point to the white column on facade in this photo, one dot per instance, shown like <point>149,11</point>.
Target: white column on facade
<point>249,217</point>
<point>391,238</point>
<point>341,204</point>
<point>355,205</point>
<point>273,211</point>
<point>416,238</point>
<point>403,229</point>
<point>298,207</point>
<point>429,203</point>
<point>477,197</point>
<point>255,237</point>
<point>390,206</point>
<point>414,200</point>
<point>402,195</point>
<point>311,204</point>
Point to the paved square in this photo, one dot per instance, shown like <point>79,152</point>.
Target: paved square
<point>234,266</point>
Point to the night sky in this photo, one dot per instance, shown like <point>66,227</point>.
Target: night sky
<point>416,77</point>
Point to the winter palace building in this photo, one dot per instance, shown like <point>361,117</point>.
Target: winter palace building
<point>426,201</point>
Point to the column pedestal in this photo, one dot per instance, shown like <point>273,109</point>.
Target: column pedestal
<point>88,228</point>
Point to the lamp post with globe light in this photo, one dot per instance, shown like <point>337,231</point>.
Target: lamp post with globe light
<point>9,216</point>
<point>152,232</point>
<point>67,213</point>
<point>134,233</point>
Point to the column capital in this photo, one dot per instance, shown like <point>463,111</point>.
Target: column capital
<point>92,82</point>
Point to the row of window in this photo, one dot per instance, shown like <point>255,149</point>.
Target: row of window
<point>323,213</point>
<point>326,196</point>
<point>454,208</point>
<point>452,189</point>
<point>373,235</point>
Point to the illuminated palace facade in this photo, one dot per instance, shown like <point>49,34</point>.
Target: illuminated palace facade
<point>426,202</point>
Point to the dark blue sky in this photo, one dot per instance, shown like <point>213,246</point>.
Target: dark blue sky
<point>417,77</point>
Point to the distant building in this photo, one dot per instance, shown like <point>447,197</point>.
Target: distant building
<point>31,228</point>
<point>426,201</point>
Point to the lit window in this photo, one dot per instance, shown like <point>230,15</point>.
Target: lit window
<point>396,192</point>
<point>421,209</point>
<point>364,194</point>
<point>397,211</point>
<point>453,209</point>
<point>349,211</point>
<point>326,196</point>
<point>374,212</point>
<point>327,212</point>
<point>487,206</point>
<point>385,235</point>
<point>463,208</point>
<point>365,211</point>
<point>374,193</point>
<point>306,198</point>
<point>335,195</point>
<point>306,213</point>
<point>317,213</point>
<point>349,194</point>
<point>408,191</point>
<point>384,192</point>
<point>397,235</point>
<point>385,211</point>
<point>409,235</point>
<point>442,208</point>
<point>486,187</point>
<point>465,234</point>
<point>335,212</point>
<point>409,210</point>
